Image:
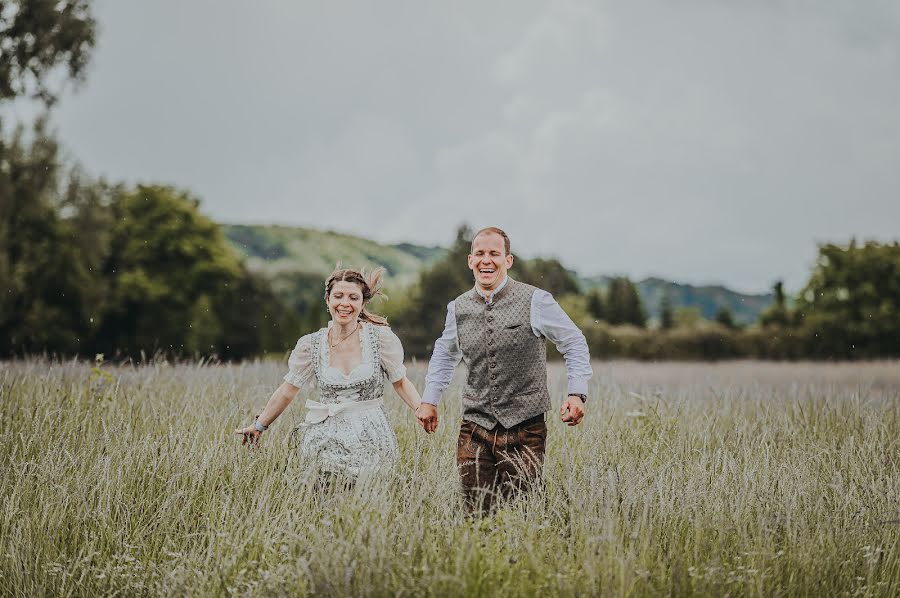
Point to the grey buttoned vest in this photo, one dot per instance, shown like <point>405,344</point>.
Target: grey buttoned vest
<point>507,363</point>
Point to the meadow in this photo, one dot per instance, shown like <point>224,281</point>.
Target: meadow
<point>741,478</point>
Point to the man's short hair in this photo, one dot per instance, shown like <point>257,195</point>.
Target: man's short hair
<point>496,231</point>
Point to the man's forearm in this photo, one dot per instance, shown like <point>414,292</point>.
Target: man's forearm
<point>444,358</point>
<point>554,324</point>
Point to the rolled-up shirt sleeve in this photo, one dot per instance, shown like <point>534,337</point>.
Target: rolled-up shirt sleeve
<point>444,359</point>
<point>549,320</point>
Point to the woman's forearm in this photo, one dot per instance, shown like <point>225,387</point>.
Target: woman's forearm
<point>408,393</point>
<point>277,403</point>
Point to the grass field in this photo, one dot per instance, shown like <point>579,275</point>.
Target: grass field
<point>686,479</point>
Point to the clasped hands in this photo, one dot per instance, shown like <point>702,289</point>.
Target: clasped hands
<point>571,412</point>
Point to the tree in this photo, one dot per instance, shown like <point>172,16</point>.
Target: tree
<point>724,317</point>
<point>777,314</point>
<point>44,277</point>
<point>547,274</point>
<point>40,38</point>
<point>175,285</point>
<point>851,304</point>
<point>623,304</point>
<point>666,315</point>
<point>595,305</point>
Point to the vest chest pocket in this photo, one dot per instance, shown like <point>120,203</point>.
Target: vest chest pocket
<point>513,335</point>
<point>518,330</point>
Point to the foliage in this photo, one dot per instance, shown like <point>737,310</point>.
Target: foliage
<point>176,286</point>
<point>38,40</point>
<point>687,318</point>
<point>778,313</point>
<point>666,315</point>
<point>596,306</point>
<point>623,304</point>
<point>88,267</point>
<point>725,318</point>
<point>155,304</point>
<point>547,274</point>
<point>47,285</point>
<point>851,304</point>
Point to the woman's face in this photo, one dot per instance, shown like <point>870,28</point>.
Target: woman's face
<point>345,302</point>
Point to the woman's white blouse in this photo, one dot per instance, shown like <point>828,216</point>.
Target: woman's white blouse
<point>302,367</point>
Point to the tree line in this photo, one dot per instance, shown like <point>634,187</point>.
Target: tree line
<point>850,308</point>
<point>90,267</point>
<point>87,267</point>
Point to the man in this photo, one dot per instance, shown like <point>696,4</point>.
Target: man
<point>498,329</point>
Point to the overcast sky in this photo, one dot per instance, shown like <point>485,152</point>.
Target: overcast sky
<point>702,141</point>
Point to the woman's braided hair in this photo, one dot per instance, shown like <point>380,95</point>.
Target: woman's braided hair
<point>369,282</point>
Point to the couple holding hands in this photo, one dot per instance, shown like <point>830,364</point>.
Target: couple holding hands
<point>498,329</point>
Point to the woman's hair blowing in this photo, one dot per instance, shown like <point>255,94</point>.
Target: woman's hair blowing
<point>369,282</point>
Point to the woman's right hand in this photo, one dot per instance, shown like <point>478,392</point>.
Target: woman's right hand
<point>249,434</point>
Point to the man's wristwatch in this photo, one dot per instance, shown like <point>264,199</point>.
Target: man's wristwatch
<point>579,395</point>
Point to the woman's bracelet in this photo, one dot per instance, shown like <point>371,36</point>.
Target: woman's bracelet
<point>259,427</point>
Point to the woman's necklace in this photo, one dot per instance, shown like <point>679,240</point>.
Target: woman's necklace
<point>345,338</point>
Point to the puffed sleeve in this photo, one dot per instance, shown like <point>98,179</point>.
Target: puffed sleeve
<point>300,363</point>
<point>391,354</point>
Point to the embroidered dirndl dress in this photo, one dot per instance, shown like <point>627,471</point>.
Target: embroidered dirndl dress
<point>346,429</point>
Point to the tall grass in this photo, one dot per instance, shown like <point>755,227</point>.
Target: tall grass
<point>738,479</point>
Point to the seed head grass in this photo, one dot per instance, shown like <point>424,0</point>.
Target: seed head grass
<point>740,478</point>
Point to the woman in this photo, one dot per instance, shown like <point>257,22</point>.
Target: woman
<point>346,430</point>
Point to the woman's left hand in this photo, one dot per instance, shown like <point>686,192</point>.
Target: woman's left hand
<point>250,434</point>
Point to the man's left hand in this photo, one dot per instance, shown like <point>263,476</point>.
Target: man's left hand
<point>572,410</point>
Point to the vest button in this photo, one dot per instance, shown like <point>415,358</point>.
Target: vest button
<point>491,341</point>
<point>490,318</point>
<point>493,365</point>
<point>493,376</point>
<point>490,330</point>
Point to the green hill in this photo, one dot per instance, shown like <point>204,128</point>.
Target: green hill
<point>277,250</point>
<point>297,260</point>
<point>708,299</point>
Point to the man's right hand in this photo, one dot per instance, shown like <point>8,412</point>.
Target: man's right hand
<point>428,416</point>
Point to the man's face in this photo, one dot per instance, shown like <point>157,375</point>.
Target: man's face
<point>488,261</point>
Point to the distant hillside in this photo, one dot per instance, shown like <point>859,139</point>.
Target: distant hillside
<point>744,307</point>
<point>276,250</point>
<point>297,259</point>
